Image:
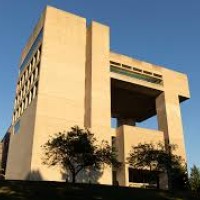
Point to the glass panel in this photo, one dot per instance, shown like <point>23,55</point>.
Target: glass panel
<point>29,55</point>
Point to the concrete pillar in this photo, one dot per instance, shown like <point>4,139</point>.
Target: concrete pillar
<point>97,88</point>
<point>169,121</point>
<point>98,100</point>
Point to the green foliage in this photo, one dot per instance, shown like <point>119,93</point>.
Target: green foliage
<point>153,156</point>
<point>78,149</point>
<point>157,158</point>
<point>195,178</point>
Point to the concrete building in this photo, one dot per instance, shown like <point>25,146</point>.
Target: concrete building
<point>68,76</point>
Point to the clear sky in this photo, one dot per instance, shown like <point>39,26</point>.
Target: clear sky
<point>165,33</point>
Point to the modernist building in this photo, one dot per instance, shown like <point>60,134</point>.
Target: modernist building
<point>68,76</point>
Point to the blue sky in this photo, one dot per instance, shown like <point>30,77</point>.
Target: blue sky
<point>166,33</point>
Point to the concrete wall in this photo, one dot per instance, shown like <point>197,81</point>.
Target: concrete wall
<point>20,148</point>
<point>128,136</point>
<point>62,84</point>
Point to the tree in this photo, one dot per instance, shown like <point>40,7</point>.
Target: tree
<point>157,159</point>
<point>195,178</point>
<point>76,150</point>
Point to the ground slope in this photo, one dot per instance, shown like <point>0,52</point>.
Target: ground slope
<point>22,190</point>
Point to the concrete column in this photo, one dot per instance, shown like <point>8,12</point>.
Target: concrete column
<point>169,121</point>
<point>98,100</point>
<point>97,88</point>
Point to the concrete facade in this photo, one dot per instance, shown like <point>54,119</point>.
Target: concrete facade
<point>68,76</point>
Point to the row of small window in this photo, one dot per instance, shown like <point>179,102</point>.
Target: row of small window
<point>29,69</point>
<point>135,69</point>
<point>132,74</point>
<point>26,102</point>
<point>27,86</point>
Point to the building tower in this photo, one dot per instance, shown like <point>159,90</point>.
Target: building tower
<point>68,76</point>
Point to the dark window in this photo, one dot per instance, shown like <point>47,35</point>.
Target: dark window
<point>142,176</point>
<point>136,69</point>
<point>115,63</point>
<point>157,75</point>
<point>146,72</point>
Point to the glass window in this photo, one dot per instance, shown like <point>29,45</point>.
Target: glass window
<point>32,49</point>
<point>17,127</point>
<point>142,176</point>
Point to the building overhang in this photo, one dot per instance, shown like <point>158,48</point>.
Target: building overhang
<point>133,101</point>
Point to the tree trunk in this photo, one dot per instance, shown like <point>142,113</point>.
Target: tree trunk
<point>73,177</point>
<point>157,181</point>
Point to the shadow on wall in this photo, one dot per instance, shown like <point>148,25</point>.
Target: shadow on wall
<point>34,175</point>
<point>88,175</point>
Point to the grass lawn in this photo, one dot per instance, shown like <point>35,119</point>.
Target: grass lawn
<point>56,191</point>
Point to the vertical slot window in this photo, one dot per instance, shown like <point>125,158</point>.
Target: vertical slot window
<point>17,127</point>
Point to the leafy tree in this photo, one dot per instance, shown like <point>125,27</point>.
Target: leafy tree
<point>76,150</point>
<point>195,178</point>
<point>156,158</point>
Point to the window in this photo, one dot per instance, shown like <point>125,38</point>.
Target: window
<point>115,63</point>
<point>17,127</point>
<point>136,75</point>
<point>28,79</point>
<point>24,91</point>
<point>136,69</point>
<point>32,50</point>
<point>146,72</point>
<point>157,75</point>
<point>142,176</point>
<point>22,108</point>
<point>22,79</point>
